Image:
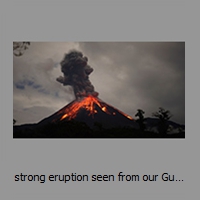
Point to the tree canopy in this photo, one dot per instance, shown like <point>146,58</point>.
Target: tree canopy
<point>20,47</point>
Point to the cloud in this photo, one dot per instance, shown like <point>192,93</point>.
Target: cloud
<point>140,75</point>
<point>34,82</point>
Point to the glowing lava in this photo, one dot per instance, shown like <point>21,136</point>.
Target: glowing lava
<point>92,105</point>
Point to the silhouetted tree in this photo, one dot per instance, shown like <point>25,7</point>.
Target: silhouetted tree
<point>20,47</point>
<point>164,116</point>
<point>140,121</point>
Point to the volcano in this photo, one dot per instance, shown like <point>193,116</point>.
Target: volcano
<point>91,110</point>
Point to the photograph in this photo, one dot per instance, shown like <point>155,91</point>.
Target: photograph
<point>99,89</point>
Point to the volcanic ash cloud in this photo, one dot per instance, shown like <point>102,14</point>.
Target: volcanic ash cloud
<point>76,73</point>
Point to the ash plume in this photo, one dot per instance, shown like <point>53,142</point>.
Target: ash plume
<point>76,73</point>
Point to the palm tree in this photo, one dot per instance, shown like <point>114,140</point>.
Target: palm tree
<point>164,116</point>
<point>140,121</point>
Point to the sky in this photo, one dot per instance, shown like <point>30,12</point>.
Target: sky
<point>127,75</point>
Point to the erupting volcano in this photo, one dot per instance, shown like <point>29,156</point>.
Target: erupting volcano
<point>87,107</point>
<point>91,110</point>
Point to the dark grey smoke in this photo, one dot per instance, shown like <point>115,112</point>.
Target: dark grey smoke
<point>76,73</point>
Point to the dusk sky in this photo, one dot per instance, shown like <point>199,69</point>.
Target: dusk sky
<point>127,75</point>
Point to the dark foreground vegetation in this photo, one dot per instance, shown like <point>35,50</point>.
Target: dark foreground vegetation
<point>74,129</point>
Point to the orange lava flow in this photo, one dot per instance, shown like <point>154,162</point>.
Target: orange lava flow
<point>125,115</point>
<point>88,103</point>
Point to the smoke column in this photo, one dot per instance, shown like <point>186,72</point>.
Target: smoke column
<point>76,73</point>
